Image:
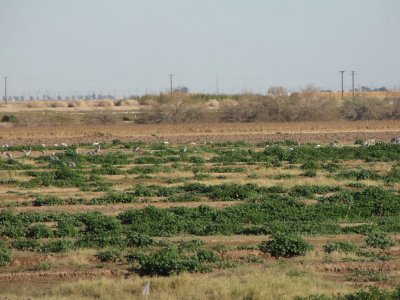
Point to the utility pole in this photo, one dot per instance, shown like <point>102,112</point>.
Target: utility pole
<point>170,81</point>
<point>352,81</point>
<point>5,89</point>
<point>342,82</point>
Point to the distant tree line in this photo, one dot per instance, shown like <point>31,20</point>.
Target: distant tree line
<point>276,106</point>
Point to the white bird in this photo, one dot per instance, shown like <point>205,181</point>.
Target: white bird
<point>64,144</point>
<point>43,145</point>
<point>369,142</point>
<point>27,153</point>
<point>396,140</point>
<point>318,146</point>
<point>55,145</point>
<point>192,143</point>
<point>72,164</point>
<point>53,156</point>
<point>184,149</point>
<point>96,144</point>
<point>137,149</point>
<point>146,290</point>
<point>166,142</point>
<point>290,149</point>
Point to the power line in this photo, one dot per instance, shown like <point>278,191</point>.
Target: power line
<point>342,82</point>
<point>170,81</point>
<point>5,88</point>
<point>352,81</point>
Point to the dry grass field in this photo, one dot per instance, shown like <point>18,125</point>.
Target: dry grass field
<point>345,132</point>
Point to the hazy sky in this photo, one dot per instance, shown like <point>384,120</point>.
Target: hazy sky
<point>130,46</point>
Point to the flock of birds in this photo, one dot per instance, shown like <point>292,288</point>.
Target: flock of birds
<point>5,153</point>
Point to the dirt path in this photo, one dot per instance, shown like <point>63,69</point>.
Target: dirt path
<point>318,132</point>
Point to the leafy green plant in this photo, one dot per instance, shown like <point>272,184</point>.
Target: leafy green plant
<point>378,239</point>
<point>39,231</point>
<point>109,255</point>
<point>285,246</point>
<point>26,244</point>
<point>340,246</point>
<point>57,246</point>
<point>5,254</point>
<point>9,118</point>
<point>135,239</point>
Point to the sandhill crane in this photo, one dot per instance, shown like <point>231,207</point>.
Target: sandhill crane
<point>95,151</point>
<point>54,157</point>
<point>27,152</point>
<point>369,142</point>
<point>9,155</point>
<point>396,140</point>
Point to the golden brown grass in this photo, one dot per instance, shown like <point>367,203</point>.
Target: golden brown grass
<point>274,281</point>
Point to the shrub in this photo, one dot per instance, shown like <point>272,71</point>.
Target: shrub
<point>57,246</point>
<point>378,239</point>
<point>5,254</point>
<point>340,246</point>
<point>101,231</point>
<point>26,244</point>
<point>310,173</point>
<point>47,200</point>
<point>135,239</point>
<point>285,246</point>
<point>9,118</point>
<point>170,261</point>
<point>110,255</point>
<point>38,231</point>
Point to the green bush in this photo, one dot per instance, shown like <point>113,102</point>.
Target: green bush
<point>101,231</point>
<point>5,254</point>
<point>285,246</point>
<point>38,231</point>
<point>47,201</point>
<point>135,239</point>
<point>57,246</point>
<point>340,246</point>
<point>378,239</point>
<point>26,244</point>
<point>170,261</point>
<point>9,118</point>
<point>110,255</point>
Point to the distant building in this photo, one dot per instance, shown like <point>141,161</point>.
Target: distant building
<point>181,89</point>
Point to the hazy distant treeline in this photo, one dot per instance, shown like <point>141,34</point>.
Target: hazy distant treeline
<point>278,105</point>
